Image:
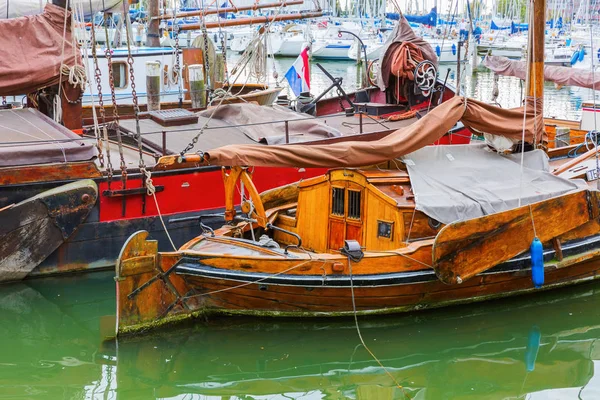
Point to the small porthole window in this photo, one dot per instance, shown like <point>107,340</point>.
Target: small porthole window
<point>385,229</point>
<point>119,72</point>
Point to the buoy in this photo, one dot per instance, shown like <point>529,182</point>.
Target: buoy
<point>537,263</point>
<point>438,51</point>
<point>533,346</point>
<point>574,58</point>
<point>568,42</point>
<point>581,54</point>
<point>453,49</point>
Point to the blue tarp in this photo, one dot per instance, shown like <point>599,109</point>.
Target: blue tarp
<point>495,27</point>
<point>514,28</point>
<point>427,19</point>
<point>555,24</point>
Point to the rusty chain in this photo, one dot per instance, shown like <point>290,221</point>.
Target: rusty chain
<point>224,54</point>
<point>205,55</point>
<point>97,78</point>
<point>136,107</point>
<point>177,66</point>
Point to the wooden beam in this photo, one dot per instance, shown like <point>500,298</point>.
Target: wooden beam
<point>463,249</point>
<point>200,13</point>
<point>251,21</point>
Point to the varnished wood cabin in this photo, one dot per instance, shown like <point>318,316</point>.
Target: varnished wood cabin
<point>375,208</point>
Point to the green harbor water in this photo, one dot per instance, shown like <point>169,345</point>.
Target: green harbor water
<point>540,346</point>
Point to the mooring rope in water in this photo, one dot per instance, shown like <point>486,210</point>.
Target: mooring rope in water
<point>151,191</point>
<point>362,340</point>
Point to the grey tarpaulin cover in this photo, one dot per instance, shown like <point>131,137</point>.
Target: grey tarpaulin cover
<point>460,182</point>
<point>29,137</point>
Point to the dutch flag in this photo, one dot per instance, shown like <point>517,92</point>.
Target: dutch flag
<point>299,74</point>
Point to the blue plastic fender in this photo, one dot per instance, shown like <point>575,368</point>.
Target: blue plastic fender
<point>575,58</point>
<point>537,263</point>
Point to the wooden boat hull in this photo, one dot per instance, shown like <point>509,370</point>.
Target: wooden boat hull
<point>95,245</point>
<point>155,289</point>
<point>34,228</point>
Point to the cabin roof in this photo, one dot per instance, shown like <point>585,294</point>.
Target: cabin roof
<point>393,184</point>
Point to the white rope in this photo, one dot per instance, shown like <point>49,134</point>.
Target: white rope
<point>527,79</point>
<point>151,191</point>
<point>77,75</point>
<point>360,334</point>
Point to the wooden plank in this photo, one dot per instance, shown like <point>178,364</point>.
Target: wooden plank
<point>463,249</point>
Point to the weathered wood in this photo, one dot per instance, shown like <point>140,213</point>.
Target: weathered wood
<point>34,228</point>
<point>279,196</point>
<point>463,249</point>
<point>48,173</point>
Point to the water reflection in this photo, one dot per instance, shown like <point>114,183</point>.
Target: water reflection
<point>540,346</point>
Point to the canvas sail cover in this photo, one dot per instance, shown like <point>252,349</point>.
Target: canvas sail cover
<point>29,137</point>
<point>265,124</point>
<point>402,33</point>
<point>32,52</point>
<point>475,115</point>
<point>21,8</point>
<point>450,184</point>
<point>560,75</point>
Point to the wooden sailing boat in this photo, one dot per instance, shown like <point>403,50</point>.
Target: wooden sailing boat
<point>360,241</point>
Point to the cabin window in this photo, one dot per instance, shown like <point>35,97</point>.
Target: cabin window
<point>119,72</point>
<point>337,201</point>
<point>385,229</point>
<point>353,204</point>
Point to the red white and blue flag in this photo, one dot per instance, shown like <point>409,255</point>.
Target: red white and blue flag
<point>299,74</point>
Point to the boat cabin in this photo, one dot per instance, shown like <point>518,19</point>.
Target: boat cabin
<point>375,207</point>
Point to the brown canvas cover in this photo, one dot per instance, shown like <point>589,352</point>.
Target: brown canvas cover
<point>402,33</point>
<point>265,124</point>
<point>32,51</point>
<point>475,115</point>
<point>28,137</point>
<point>560,75</point>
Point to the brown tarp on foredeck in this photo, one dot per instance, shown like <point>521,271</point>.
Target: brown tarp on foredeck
<point>402,33</point>
<point>475,115</point>
<point>31,52</point>
<point>560,75</point>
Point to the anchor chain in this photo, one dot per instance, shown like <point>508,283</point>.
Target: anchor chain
<point>136,107</point>
<point>177,66</point>
<point>97,78</point>
<point>193,142</point>
<point>224,54</point>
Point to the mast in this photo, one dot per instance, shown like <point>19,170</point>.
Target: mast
<point>535,87</point>
<point>152,37</point>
